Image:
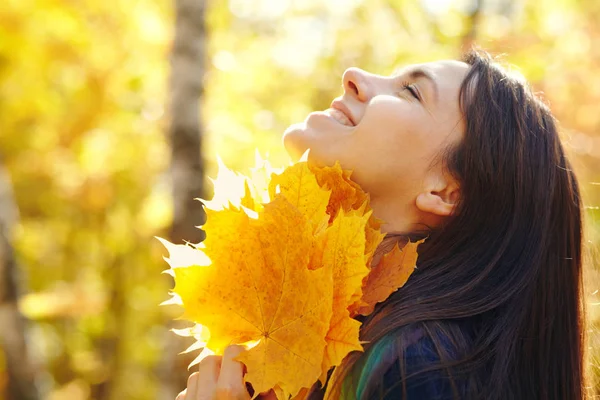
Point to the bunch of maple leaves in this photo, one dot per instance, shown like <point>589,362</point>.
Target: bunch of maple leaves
<point>285,267</point>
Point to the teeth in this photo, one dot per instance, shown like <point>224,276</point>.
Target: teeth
<point>339,116</point>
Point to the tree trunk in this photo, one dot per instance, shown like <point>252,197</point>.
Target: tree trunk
<point>187,76</point>
<point>187,169</point>
<point>21,383</point>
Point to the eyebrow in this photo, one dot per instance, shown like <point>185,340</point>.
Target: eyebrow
<point>418,72</point>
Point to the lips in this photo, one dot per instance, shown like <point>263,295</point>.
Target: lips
<point>339,116</point>
<point>338,107</point>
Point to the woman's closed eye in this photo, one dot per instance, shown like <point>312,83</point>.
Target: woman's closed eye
<point>412,89</point>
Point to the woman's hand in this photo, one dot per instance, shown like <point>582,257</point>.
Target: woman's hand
<point>220,378</point>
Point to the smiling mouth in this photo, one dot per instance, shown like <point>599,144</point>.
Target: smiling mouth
<point>341,112</point>
<point>339,116</point>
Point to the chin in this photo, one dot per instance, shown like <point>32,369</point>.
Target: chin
<point>295,140</point>
<point>316,133</point>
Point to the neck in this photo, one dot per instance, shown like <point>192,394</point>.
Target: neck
<point>398,213</point>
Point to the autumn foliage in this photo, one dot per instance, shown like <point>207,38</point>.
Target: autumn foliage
<point>285,267</point>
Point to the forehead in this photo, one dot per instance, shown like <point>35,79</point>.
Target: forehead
<point>448,73</point>
<point>448,66</point>
<point>448,76</point>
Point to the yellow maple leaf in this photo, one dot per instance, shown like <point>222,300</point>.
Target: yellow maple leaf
<point>234,189</point>
<point>258,287</point>
<point>299,185</point>
<point>229,188</point>
<point>344,251</point>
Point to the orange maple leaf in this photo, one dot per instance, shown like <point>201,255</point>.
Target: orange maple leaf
<point>348,195</point>
<point>391,273</point>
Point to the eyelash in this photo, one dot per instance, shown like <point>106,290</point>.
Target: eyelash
<point>411,89</point>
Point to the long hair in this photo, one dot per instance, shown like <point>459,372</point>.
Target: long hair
<point>499,284</point>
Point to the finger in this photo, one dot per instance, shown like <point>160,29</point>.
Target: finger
<point>181,395</point>
<point>203,384</point>
<point>192,387</point>
<point>231,378</point>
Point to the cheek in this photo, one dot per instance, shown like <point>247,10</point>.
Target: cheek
<point>393,142</point>
<point>392,132</point>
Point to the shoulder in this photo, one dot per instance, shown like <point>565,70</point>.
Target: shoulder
<point>417,372</point>
<point>422,378</point>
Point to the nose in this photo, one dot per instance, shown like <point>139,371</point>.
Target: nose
<point>357,84</point>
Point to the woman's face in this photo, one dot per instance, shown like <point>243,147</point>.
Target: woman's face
<point>386,129</point>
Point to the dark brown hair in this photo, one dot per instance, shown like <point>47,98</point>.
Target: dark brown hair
<point>501,280</point>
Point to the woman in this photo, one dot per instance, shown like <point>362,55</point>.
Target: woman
<point>464,153</point>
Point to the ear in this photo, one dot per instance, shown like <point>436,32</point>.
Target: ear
<point>439,195</point>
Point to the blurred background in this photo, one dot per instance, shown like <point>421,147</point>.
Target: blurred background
<point>111,116</point>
